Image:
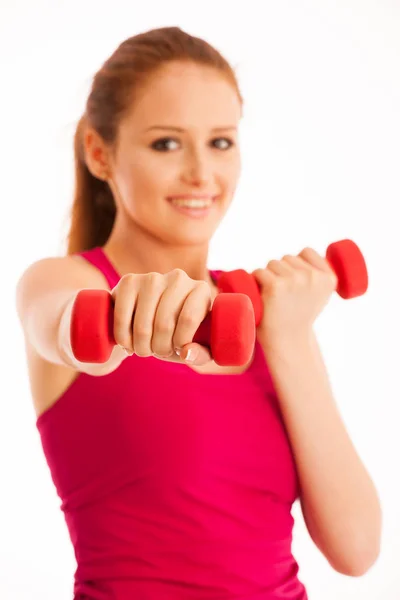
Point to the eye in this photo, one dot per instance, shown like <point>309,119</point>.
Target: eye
<point>161,144</point>
<point>230,143</point>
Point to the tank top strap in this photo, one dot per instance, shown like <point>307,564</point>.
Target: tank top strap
<point>214,274</point>
<point>97,257</point>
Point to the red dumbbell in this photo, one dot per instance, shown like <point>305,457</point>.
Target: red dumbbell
<point>228,330</point>
<point>344,257</point>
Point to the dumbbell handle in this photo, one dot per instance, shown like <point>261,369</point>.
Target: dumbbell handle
<point>228,330</point>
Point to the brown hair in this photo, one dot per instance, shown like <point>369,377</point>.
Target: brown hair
<point>113,88</point>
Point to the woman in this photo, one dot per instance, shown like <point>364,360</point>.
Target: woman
<point>176,475</point>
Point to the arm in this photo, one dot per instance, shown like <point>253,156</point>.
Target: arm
<point>44,297</point>
<point>339,501</point>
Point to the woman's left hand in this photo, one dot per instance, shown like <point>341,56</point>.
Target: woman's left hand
<point>294,291</point>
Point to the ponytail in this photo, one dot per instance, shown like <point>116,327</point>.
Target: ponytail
<point>93,210</point>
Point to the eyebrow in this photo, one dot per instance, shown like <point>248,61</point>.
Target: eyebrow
<point>182,130</point>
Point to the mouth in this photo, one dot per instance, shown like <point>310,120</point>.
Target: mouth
<point>194,206</point>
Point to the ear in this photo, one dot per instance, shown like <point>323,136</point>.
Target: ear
<point>96,153</point>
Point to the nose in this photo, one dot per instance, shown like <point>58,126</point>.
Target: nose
<point>198,169</point>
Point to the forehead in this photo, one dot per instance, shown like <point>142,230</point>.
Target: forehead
<point>188,96</point>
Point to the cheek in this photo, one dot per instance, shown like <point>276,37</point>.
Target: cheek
<point>152,177</point>
<point>140,181</point>
<point>144,184</point>
<point>231,173</point>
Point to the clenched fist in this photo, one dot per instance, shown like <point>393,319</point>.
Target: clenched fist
<point>158,315</point>
<point>294,291</point>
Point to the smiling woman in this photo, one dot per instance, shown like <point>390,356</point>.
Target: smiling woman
<point>175,482</point>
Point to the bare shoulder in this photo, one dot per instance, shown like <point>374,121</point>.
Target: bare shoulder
<point>48,381</point>
<point>55,274</point>
<point>62,272</point>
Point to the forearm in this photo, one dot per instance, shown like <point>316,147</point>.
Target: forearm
<point>339,500</point>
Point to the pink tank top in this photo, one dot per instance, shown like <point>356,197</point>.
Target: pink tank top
<point>174,485</point>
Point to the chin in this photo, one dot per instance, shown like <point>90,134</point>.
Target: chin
<point>193,240</point>
<point>192,236</point>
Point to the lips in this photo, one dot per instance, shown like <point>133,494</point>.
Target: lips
<point>192,197</point>
<point>191,211</point>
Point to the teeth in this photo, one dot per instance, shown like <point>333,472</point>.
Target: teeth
<point>192,203</point>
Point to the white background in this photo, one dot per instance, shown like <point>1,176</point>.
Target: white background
<point>320,141</point>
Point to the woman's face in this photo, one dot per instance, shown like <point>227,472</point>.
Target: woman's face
<point>181,137</point>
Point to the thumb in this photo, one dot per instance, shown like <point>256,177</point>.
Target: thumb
<point>194,354</point>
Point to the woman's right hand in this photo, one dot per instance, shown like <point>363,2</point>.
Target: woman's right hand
<point>158,315</point>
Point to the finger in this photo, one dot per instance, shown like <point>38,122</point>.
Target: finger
<point>192,353</point>
<point>179,286</point>
<point>125,296</point>
<point>316,260</point>
<point>196,307</point>
<point>296,262</point>
<point>264,277</point>
<point>279,267</point>
<point>195,354</point>
<point>150,292</point>
<point>321,263</point>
